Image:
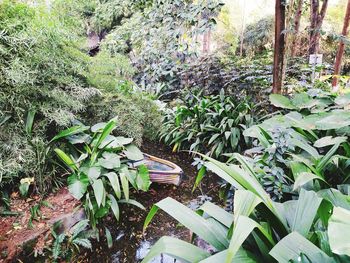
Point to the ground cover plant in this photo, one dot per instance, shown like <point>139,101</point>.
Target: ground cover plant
<point>288,217</point>
<point>209,124</point>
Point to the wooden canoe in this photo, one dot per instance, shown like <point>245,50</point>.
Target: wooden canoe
<point>161,171</point>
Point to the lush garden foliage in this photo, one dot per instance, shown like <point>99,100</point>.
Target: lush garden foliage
<point>84,83</point>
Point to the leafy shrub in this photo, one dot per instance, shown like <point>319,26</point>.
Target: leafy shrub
<point>41,70</point>
<point>138,115</point>
<point>161,41</point>
<point>99,171</point>
<point>309,147</point>
<point>67,244</point>
<point>212,124</point>
<point>259,229</point>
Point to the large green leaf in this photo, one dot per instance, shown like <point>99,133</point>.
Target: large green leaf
<point>99,191</point>
<point>109,160</point>
<point>189,219</point>
<point>242,256</point>
<point>244,203</point>
<point>329,140</point>
<point>106,131</point>
<point>218,213</point>
<point>176,248</point>
<point>66,159</point>
<point>281,101</point>
<point>133,153</point>
<point>77,186</point>
<point>70,131</point>
<point>335,197</point>
<point>234,175</point>
<point>242,229</point>
<point>114,206</point>
<point>143,180</point>
<point>114,180</point>
<point>125,185</point>
<point>294,244</point>
<point>304,178</point>
<point>305,212</point>
<point>339,231</point>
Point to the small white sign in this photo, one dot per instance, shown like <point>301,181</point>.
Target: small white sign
<point>316,59</point>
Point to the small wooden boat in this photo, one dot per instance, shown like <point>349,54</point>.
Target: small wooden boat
<point>160,171</point>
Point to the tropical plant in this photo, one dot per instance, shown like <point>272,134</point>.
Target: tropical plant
<point>99,170</point>
<point>259,230</point>
<point>65,245</point>
<point>212,124</point>
<point>308,147</point>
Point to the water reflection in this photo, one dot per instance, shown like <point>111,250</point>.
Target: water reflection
<point>144,248</point>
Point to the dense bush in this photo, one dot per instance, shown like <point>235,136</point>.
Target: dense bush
<point>138,115</point>
<point>42,70</point>
<point>45,70</point>
<point>212,124</point>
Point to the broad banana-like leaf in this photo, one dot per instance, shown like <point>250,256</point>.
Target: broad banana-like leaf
<point>99,191</point>
<point>125,185</point>
<point>329,140</point>
<point>339,231</point>
<point>281,101</point>
<point>300,213</point>
<point>176,248</point>
<point>291,246</point>
<point>304,178</point>
<point>335,197</point>
<point>217,213</point>
<point>242,229</point>
<point>306,210</point>
<point>114,181</point>
<point>242,256</point>
<point>189,219</point>
<point>66,159</point>
<point>244,203</point>
<point>133,153</point>
<point>70,131</point>
<point>236,176</point>
<point>306,147</point>
<point>106,131</point>
<point>114,206</point>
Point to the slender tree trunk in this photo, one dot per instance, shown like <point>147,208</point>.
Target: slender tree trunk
<point>242,29</point>
<point>340,52</point>
<point>297,19</point>
<point>278,63</point>
<point>317,17</point>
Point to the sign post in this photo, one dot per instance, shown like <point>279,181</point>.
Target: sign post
<point>315,60</point>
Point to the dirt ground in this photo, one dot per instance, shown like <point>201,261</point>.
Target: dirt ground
<point>15,232</point>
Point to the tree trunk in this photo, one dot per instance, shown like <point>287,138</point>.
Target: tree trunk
<point>317,17</point>
<point>278,63</point>
<point>297,19</point>
<point>340,52</point>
